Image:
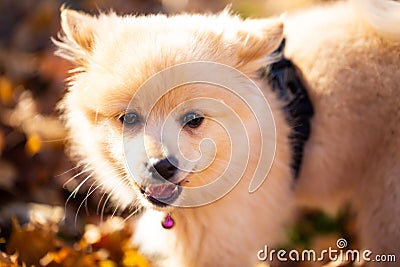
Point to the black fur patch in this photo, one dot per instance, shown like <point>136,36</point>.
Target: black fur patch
<point>286,82</point>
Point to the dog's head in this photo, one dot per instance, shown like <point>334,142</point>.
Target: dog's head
<point>143,137</point>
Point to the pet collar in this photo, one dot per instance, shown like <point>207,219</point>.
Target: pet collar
<point>286,82</point>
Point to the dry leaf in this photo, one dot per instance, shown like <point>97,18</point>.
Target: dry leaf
<point>41,240</point>
<point>133,259</point>
<point>33,145</point>
<point>7,260</point>
<point>6,91</point>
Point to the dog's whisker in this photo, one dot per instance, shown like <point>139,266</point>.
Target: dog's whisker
<point>76,190</point>
<point>56,140</point>
<point>91,186</point>
<point>104,193</point>
<point>76,175</point>
<point>99,203</point>
<point>69,170</point>
<point>108,198</point>
<point>116,208</point>
<point>138,208</point>
<point>124,179</point>
<point>89,193</point>
<point>78,187</point>
<point>86,199</point>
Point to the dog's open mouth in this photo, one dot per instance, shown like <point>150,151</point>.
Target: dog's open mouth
<point>161,194</point>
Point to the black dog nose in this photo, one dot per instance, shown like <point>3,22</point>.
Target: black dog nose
<point>165,168</point>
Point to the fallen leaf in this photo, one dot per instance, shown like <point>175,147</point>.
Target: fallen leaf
<point>8,260</point>
<point>133,259</point>
<point>41,240</point>
<point>6,91</point>
<point>33,145</point>
<point>107,263</point>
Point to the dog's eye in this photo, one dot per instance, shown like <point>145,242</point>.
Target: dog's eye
<point>129,118</point>
<point>193,120</point>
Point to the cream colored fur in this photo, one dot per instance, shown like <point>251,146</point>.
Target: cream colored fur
<point>352,69</point>
<point>350,61</point>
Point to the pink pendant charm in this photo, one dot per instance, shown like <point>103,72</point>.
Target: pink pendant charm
<point>168,222</point>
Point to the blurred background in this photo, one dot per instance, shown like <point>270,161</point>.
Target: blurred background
<point>36,175</point>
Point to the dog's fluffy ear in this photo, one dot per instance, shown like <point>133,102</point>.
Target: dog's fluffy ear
<point>258,38</point>
<point>78,27</point>
<point>78,38</point>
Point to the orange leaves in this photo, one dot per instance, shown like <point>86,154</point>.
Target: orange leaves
<point>6,91</point>
<point>107,245</point>
<point>33,144</point>
<point>69,257</point>
<point>31,242</point>
<point>133,259</point>
<point>7,260</point>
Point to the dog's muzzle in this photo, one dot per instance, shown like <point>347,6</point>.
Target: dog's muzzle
<point>162,191</point>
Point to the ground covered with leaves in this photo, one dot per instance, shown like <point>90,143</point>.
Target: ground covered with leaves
<point>40,223</point>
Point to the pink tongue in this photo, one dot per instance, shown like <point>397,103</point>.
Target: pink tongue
<point>161,191</point>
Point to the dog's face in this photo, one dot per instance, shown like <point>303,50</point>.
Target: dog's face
<point>173,141</point>
<point>153,142</point>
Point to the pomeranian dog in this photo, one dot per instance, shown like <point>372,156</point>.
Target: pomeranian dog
<point>186,115</point>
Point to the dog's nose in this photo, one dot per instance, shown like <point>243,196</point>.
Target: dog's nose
<point>165,168</point>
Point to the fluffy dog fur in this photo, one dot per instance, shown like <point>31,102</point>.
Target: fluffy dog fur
<point>351,66</point>
<point>349,56</point>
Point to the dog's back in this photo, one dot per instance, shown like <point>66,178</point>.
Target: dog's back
<point>349,55</point>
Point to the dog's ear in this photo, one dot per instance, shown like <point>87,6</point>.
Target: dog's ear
<point>258,38</point>
<point>78,27</point>
<point>77,40</point>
